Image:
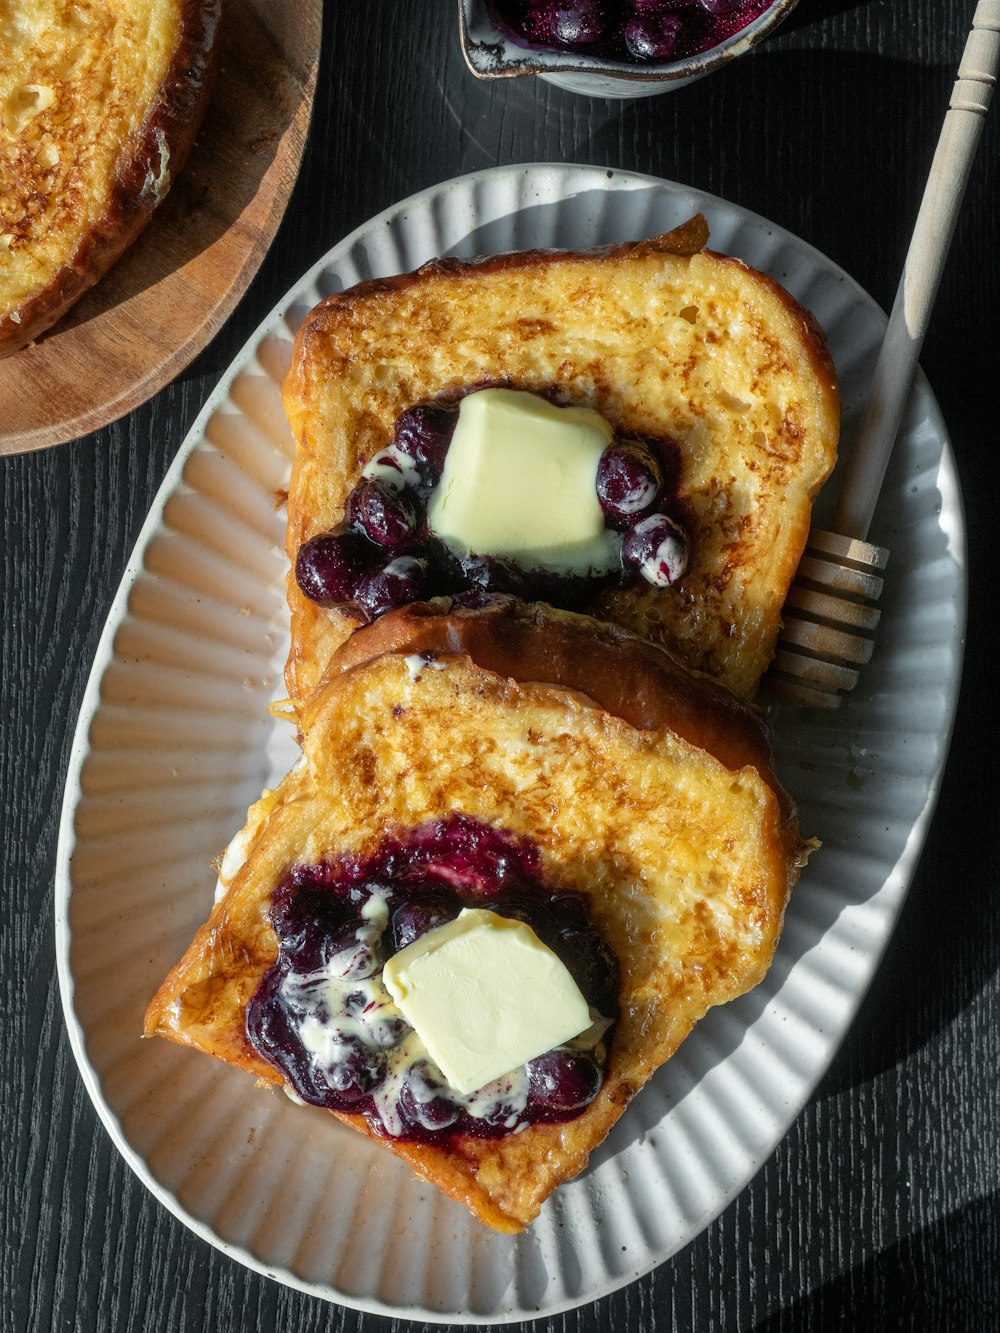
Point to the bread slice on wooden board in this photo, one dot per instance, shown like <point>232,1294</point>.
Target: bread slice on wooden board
<point>99,106</point>
<point>664,338</point>
<point>685,860</point>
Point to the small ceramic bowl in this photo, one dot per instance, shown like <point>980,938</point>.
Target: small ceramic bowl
<point>490,54</point>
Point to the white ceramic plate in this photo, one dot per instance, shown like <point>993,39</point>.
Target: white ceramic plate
<point>173,742</point>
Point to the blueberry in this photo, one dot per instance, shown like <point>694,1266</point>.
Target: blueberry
<point>423,433</point>
<point>657,548</point>
<point>317,929</point>
<point>569,910</point>
<point>532,910</point>
<point>348,958</point>
<point>629,481</point>
<point>494,1114</point>
<point>418,915</point>
<point>652,38</point>
<point>387,1031</point>
<point>580,23</point>
<point>329,568</point>
<point>424,1101</point>
<point>392,469</point>
<point>516,907</point>
<point>388,517</point>
<point>497,575</point>
<point>592,966</point>
<point>562,1081</point>
<point>378,1017</point>
<point>311,923</point>
<point>566,22</point>
<point>357,1070</point>
<point>405,578</point>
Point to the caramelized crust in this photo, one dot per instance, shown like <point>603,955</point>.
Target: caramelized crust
<point>687,864</point>
<point>99,106</point>
<point>534,643</point>
<point>663,338</point>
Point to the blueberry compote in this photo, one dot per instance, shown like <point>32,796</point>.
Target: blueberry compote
<point>634,31</point>
<point>384,555</point>
<point>323,1018</point>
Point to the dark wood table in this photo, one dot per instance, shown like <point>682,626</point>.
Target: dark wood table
<point>881,1208</point>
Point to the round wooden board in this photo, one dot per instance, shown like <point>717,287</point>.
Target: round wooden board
<point>171,292</point>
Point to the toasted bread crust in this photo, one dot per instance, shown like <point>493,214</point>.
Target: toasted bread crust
<point>687,864</point>
<point>67,212</point>
<point>533,643</point>
<point>663,338</point>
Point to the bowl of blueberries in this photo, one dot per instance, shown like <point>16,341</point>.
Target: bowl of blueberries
<point>612,48</point>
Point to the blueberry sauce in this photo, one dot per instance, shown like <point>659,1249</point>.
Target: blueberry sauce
<point>324,1019</point>
<point>384,555</point>
<point>639,32</point>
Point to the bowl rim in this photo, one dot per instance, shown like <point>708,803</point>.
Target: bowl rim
<point>556,62</point>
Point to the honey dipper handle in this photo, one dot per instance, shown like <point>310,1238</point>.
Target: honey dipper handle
<point>922,270</point>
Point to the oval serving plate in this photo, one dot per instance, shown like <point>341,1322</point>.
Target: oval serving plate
<point>173,742</point>
<point>174,288</point>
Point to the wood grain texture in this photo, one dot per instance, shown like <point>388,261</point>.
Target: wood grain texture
<point>174,288</point>
<point>881,1208</point>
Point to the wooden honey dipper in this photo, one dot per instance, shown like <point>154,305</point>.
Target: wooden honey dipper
<point>830,616</point>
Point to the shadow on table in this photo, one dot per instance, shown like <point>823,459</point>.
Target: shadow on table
<point>941,1278</point>
<point>814,11</point>
<point>773,150</point>
<point>946,947</point>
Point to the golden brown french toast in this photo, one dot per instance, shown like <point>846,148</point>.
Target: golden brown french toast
<point>99,106</point>
<point>677,859</point>
<point>666,340</point>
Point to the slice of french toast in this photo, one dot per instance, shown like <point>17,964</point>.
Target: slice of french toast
<point>681,850</point>
<point>666,339</point>
<point>99,106</point>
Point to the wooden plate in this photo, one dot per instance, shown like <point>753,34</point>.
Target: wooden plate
<point>171,292</point>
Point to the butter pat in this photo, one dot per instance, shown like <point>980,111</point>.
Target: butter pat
<point>485,995</point>
<point>519,483</point>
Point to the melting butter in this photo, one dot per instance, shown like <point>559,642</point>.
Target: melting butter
<point>519,483</point>
<point>485,995</point>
